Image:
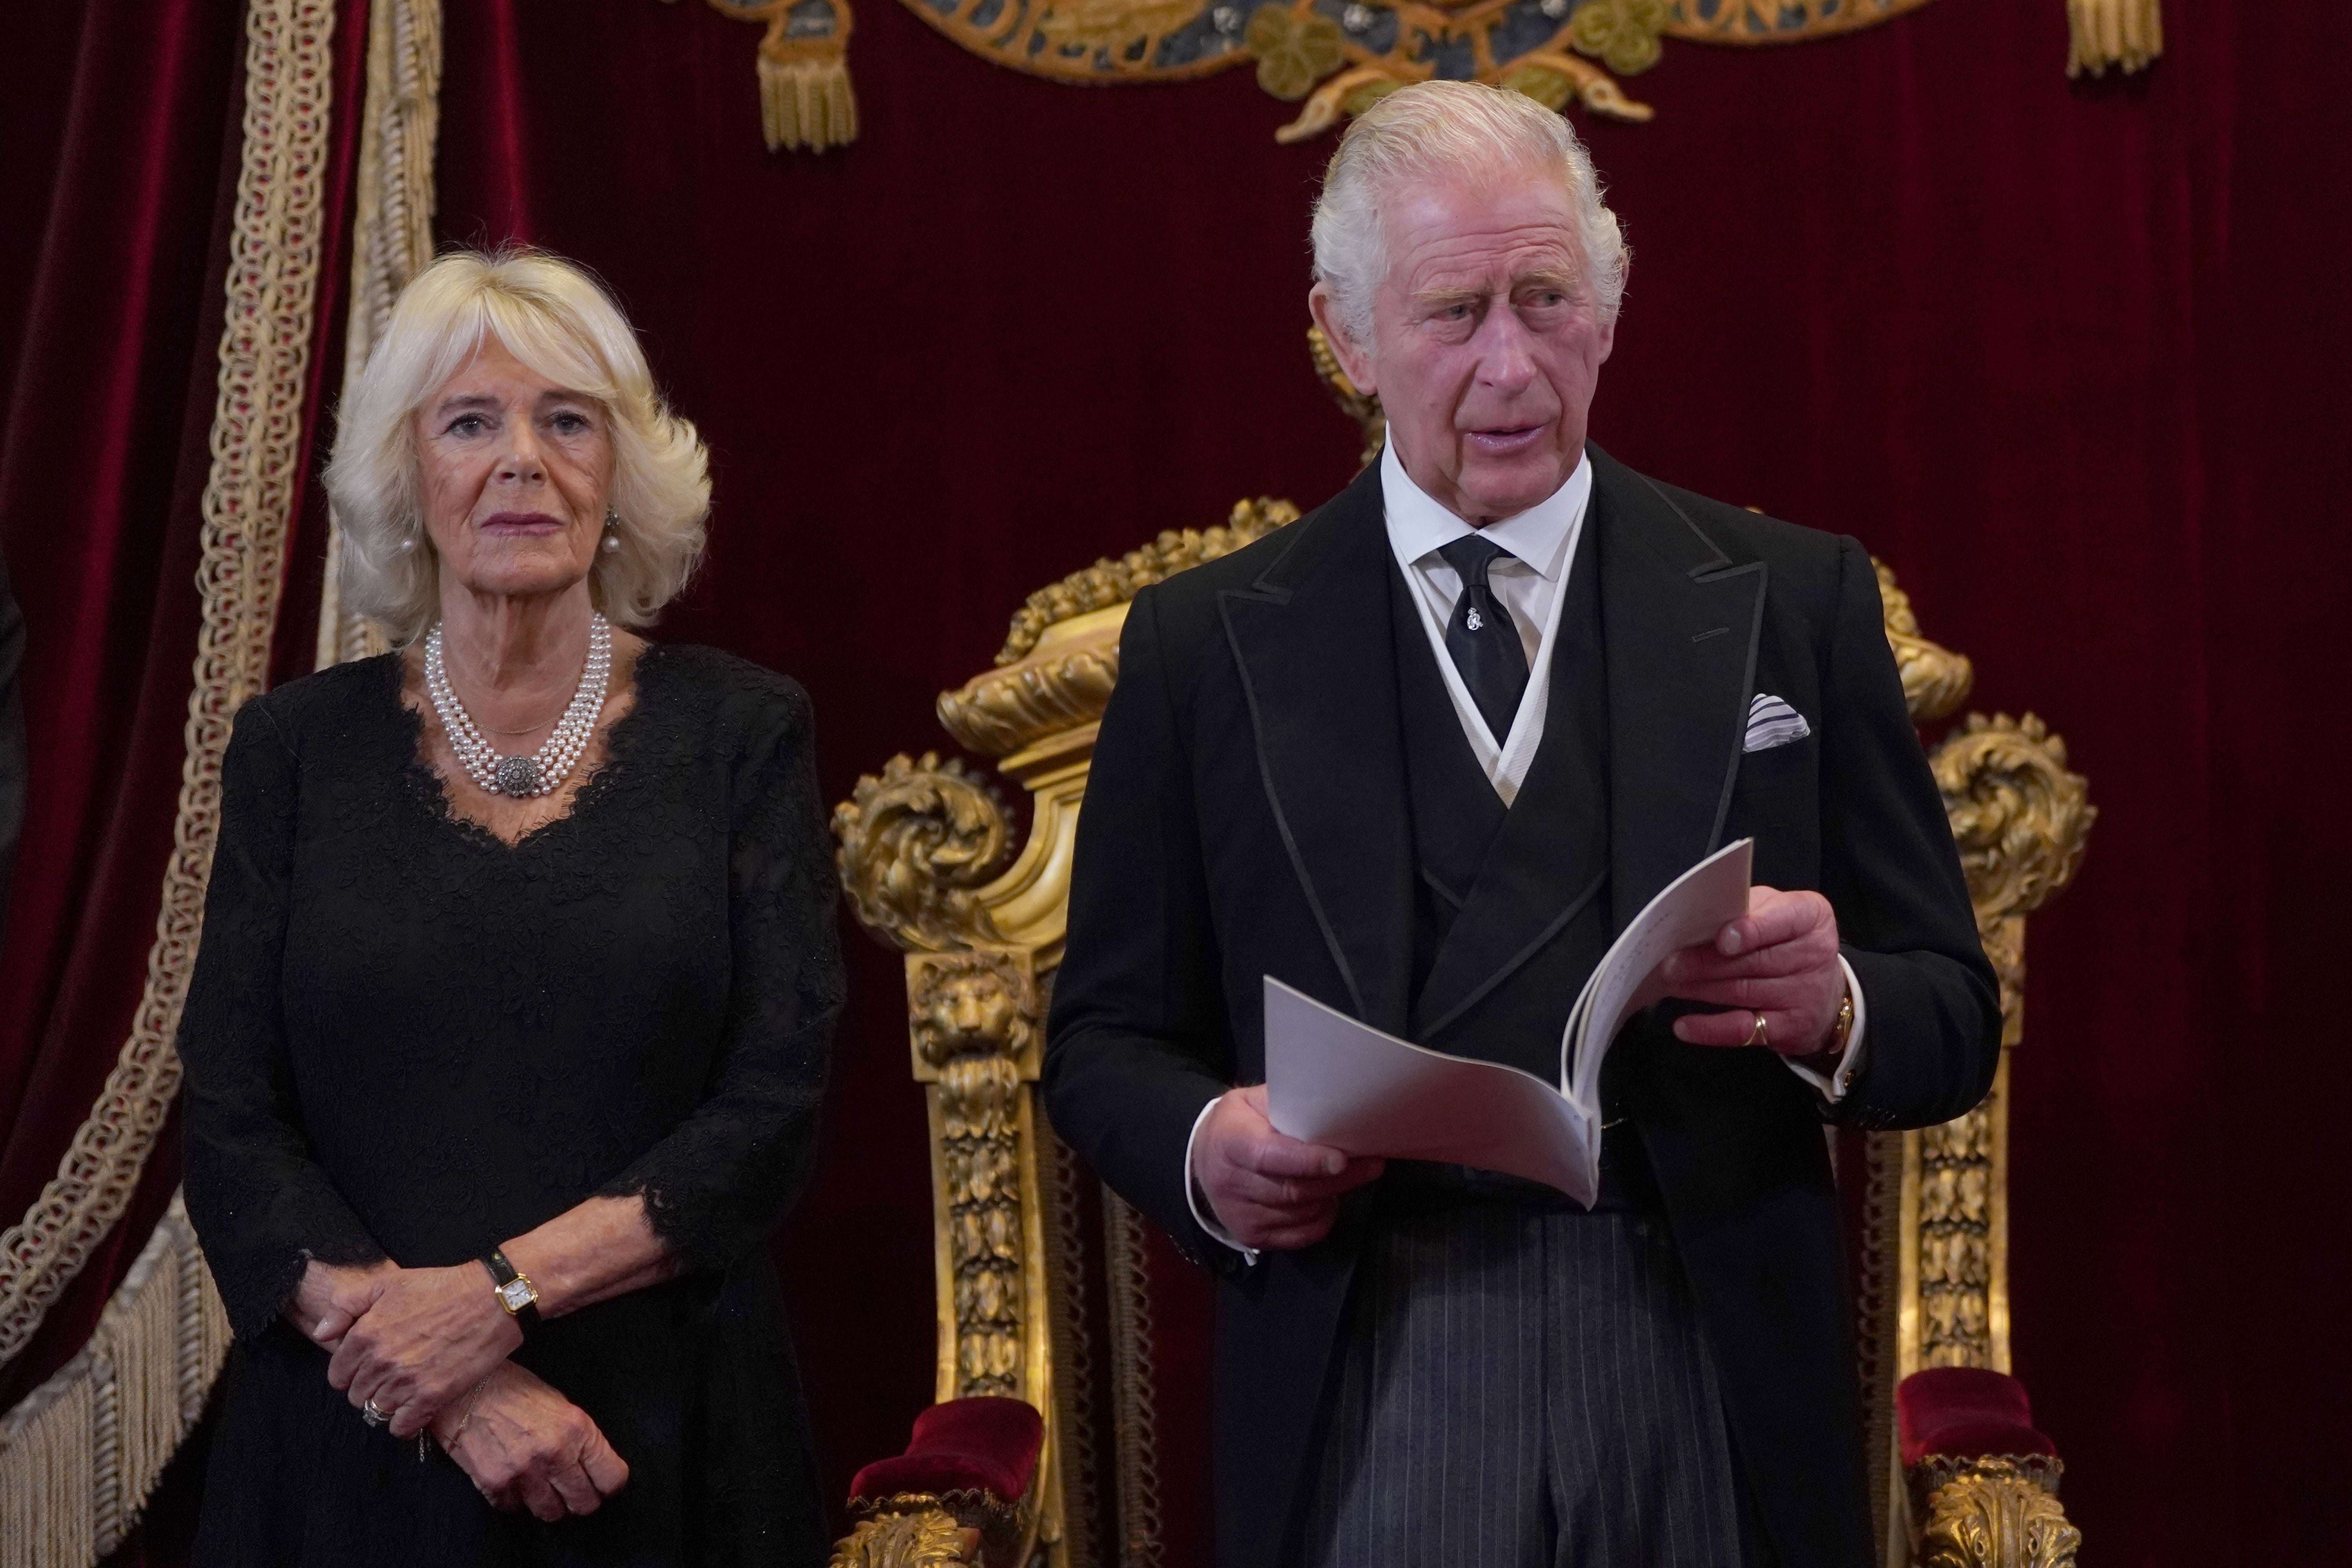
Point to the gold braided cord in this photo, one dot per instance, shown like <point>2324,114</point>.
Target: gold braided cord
<point>264,354</point>
<point>392,236</point>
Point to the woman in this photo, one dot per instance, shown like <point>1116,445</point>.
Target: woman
<point>519,977</point>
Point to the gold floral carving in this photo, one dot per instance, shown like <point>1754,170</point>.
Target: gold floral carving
<point>248,500</point>
<point>1953,1211</point>
<point>1108,582</point>
<point>1363,407</point>
<point>1997,1514</point>
<point>976,1024</point>
<point>1935,679</point>
<point>1060,659</point>
<point>914,845</point>
<point>2023,820</point>
<point>911,1532</point>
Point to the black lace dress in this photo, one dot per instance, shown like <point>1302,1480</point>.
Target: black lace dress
<point>406,1038</point>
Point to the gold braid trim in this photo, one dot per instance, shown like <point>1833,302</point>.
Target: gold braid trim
<point>1134,1404</point>
<point>82,1453</point>
<point>265,352</point>
<point>392,237</point>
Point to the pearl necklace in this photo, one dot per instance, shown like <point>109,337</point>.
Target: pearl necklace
<point>542,772</point>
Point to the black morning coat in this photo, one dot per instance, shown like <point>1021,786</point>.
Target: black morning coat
<point>1247,815</point>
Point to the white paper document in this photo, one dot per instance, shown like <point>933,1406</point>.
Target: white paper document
<point>1332,1080</point>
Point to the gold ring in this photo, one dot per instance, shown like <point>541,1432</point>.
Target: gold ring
<point>1756,1035</point>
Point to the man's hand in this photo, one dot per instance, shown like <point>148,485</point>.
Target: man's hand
<point>331,1296</point>
<point>1266,1190</point>
<point>1778,960</point>
<point>526,1446</point>
<point>430,1335</point>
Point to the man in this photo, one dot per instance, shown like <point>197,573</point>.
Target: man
<point>1420,756</point>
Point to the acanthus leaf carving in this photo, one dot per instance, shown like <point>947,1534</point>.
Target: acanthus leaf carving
<point>1936,679</point>
<point>1994,1513</point>
<point>915,844</point>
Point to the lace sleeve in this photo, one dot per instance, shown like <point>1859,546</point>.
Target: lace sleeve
<point>262,1205</point>
<point>717,1184</point>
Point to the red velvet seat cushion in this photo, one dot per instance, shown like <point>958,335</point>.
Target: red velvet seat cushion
<point>1966,1413</point>
<point>985,1444</point>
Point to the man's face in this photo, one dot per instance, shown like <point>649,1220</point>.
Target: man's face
<point>1487,342</point>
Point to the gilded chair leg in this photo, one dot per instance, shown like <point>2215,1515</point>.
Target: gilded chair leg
<point>1992,1513</point>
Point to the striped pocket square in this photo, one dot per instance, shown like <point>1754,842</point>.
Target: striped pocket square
<point>1773,722</point>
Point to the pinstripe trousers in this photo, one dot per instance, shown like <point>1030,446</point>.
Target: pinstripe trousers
<point>1523,1388</point>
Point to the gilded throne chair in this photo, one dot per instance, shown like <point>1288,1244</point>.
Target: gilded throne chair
<point>1072,1425</point>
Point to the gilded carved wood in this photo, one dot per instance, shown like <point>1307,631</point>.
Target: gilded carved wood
<point>927,860</point>
<point>1978,1512</point>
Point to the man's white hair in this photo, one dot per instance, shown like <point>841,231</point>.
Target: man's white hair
<point>1436,130</point>
<point>554,317</point>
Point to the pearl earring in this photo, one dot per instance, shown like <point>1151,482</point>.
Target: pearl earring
<point>611,529</point>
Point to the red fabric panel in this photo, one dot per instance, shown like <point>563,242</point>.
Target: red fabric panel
<point>1965,1412</point>
<point>2070,355</point>
<point>990,1444</point>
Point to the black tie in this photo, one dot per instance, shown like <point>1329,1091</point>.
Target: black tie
<point>1481,638</point>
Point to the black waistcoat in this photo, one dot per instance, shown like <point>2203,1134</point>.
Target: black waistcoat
<point>1510,906</point>
<point>1510,912</point>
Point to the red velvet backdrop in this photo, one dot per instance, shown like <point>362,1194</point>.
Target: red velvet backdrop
<point>2068,355</point>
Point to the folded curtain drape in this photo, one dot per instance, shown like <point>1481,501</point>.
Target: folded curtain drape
<point>125,126</point>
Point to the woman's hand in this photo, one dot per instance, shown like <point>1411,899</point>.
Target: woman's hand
<point>331,1296</point>
<point>526,1446</point>
<point>429,1335</point>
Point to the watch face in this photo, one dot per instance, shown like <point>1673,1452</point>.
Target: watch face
<point>517,1294</point>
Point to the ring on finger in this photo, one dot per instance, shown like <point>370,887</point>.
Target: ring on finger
<point>374,1414</point>
<point>1756,1035</point>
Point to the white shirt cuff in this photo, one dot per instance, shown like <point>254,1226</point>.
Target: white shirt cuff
<point>1833,1083</point>
<point>1205,1216</point>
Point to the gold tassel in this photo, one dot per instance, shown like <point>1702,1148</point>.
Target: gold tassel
<point>805,100</point>
<point>2126,33</point>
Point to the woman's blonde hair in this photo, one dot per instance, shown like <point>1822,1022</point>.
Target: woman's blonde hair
<point>555,318</point>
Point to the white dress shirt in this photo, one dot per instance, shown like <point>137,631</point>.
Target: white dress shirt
<point>1539,545</point>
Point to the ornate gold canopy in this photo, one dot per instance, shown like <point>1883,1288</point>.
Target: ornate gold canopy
<point>1337,58</point>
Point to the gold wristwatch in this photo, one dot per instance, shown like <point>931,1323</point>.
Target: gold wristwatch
<point>513,1289</point>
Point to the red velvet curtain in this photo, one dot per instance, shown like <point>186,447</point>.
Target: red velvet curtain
<point>2069,355</point>
<point>120,139</point>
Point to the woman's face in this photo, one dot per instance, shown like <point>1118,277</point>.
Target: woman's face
<point>516,470</point>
